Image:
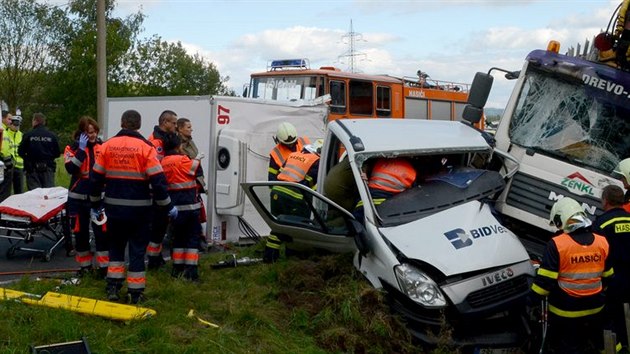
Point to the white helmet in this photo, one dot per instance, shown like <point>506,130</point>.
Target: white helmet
<point>568,215</point>
<point>286,133</point>
<point>624,169</point>
<point>315,147</point>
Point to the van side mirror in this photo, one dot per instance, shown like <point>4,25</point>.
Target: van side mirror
<point>477,97</point>
<point>360,239</point>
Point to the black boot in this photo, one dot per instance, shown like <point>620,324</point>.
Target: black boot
<point>113,291</point>
<point>178,270</point>
<point>155,262</point>
<point>135,297</point>
<point>84,271</point>
<point>191,273</point>
<point>100,273</point>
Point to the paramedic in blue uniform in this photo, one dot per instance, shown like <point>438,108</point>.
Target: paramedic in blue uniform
<point>39,149</point>
<point>181,174</point>
<point>128,171</point>
<point>79,158</point>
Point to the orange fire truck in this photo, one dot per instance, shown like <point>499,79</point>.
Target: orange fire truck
<point>358,95</point>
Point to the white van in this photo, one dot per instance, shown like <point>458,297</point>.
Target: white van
<point>437,249</point>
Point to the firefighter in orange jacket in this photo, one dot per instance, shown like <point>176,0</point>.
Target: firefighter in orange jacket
<point>388,178</point>
<point>131,176</point>
<point>181,175</point>
<point>623,169</point>
<point>573,274</point>
<point>287,142</point>
<point>300,167</point>
<point>79,158</point>
<point>163,133</point>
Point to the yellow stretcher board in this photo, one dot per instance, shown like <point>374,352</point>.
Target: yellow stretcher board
<point>111,310</point>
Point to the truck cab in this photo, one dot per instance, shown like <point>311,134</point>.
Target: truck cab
<point>436,249</point>
<point>567,124</point>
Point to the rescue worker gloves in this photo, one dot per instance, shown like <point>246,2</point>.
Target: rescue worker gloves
<point>623,169</point>
<point>83,141</point>
<point>315,147</point>
<point>286,134</point>
<point>568,215</point>
<point>98,216</point>
<point>173,212</point>
<point>418,286</point>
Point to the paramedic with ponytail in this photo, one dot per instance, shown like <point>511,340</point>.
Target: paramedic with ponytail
<point>181,174</point>
<point>573,274</point>
<point>128,171</point>
<point>79,159</point>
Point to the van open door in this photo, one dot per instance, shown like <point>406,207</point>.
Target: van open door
<point>231,162</point>
<point>319,224</point>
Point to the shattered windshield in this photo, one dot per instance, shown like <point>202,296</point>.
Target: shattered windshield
<point>285,88</point>
<point>567,119</point>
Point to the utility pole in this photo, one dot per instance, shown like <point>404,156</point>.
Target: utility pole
<point>101,64</point>
<point>352,37</point>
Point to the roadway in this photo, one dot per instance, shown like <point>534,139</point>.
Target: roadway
<point>24,263</point>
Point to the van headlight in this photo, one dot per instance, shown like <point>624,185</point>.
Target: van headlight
<point>418,286</point>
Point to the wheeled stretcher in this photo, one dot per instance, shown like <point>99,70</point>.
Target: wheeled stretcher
<point>39,213</point>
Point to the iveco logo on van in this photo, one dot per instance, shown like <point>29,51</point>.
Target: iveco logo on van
<point>577,184</point>
<point>460,238</point>
<point>496,277</point>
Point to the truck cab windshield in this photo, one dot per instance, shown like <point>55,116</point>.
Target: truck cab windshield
<point>585,126</point>
<point>286,88</point>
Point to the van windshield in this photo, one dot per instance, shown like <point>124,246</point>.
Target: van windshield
<point>564,118</point>
<point>439,193</point>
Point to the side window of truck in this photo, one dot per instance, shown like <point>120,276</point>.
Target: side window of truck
<point>337,97</point>
<point>383,101</point>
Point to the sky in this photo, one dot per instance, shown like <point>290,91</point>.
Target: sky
<point>448,39</point>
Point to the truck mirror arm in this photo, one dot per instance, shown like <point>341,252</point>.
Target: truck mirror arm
<point>510,75</point>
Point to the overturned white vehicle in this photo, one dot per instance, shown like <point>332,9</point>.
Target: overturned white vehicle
<point>437,249</point>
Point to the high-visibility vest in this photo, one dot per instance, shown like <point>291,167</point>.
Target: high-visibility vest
<point>13,140</point>
<point>392,175</point>
<point>581,266</point>
<point>297,166</point>
<point>281,152</point>
<point>181,176</point>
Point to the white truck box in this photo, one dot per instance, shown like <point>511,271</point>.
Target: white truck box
<point>242,131</point>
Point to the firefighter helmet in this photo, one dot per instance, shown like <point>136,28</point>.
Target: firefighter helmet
<point>623,169</point>
<point>286,133</point>
<point>567,214</point>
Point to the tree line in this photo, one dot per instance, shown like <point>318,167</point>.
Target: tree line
<point>48,61</point>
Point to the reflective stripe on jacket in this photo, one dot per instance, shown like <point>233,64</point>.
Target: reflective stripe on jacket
<point>125,168</point>
<point>392,175</point>
<point>581,266</point>
<point>78,164</point>
<point>13,140</point>
<point>279,154</point>
<point>181,175</point>
<point>297,167</point>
